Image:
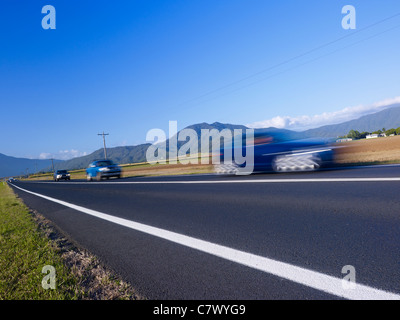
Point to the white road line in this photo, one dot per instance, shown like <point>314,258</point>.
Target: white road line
<point>309,278</point>
<point>240,181</point>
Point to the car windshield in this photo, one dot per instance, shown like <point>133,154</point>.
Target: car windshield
<point>62,171</point>
<point>104,163</point>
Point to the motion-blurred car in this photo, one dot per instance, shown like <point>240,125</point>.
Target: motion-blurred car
<point>61,175</point>
<point>277,152</point>
<point>103,169</point>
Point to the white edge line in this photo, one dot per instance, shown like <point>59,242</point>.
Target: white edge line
<point>309,278</point>
<point>238,181</point>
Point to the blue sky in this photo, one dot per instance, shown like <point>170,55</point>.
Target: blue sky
<point>126,67</point>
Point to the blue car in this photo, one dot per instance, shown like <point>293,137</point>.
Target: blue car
<point>103,169</point>
<point>277,152</point>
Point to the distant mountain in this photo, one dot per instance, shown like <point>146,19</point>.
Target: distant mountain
<point>205,126</point>
<point>121,155</point>
<point>132,154</point>
<point>388,118</point>
<point>216,125</point>
<point>12,166</point>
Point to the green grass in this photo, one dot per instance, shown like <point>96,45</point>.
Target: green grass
<point>29,242</point>
<point>24,251</point>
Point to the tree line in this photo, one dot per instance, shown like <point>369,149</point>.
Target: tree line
<point>354,134</point>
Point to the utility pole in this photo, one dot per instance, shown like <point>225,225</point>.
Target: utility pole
<point>52,164</point>
<point>104,143</point>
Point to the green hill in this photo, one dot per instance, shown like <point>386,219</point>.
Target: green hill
<point>121,155</point>
<point>11,166</point>
<point>388,118</point>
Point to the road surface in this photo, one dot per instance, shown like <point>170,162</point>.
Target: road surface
<point>266,236</point>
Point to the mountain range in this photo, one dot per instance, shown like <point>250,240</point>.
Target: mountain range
<point>388,118</point>
<point>11,166</point>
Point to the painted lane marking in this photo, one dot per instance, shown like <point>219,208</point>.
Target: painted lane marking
<point>239,181</point>
<point>309,278</point>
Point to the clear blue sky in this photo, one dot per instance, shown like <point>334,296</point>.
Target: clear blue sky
<point>125,67</point>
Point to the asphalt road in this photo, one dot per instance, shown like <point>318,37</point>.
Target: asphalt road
<point>266,236</point>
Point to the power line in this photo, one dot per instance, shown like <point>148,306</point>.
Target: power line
<point>300,65</point>
<point>290,59</point>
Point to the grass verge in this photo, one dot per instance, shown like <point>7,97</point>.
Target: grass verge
<point>29,242</point>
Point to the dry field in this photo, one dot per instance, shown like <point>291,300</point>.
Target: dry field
<point>366,151</point>
<point>371,151</point>
<point>379,150</point>
<point>137,170</point>
<point>166,169</point>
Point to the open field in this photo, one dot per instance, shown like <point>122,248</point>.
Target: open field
<point>143,169</point>
<point>370,151</point>
<point>359,152</point>
<point>167,169</point>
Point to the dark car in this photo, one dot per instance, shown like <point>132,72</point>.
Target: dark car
<point>103,169</point>
<point>61,175</point>
<point>277,152</point>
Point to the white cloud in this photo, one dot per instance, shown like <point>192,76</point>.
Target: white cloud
<point>45,155</point>
<point>62,154</point>
<point>307,122</point>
